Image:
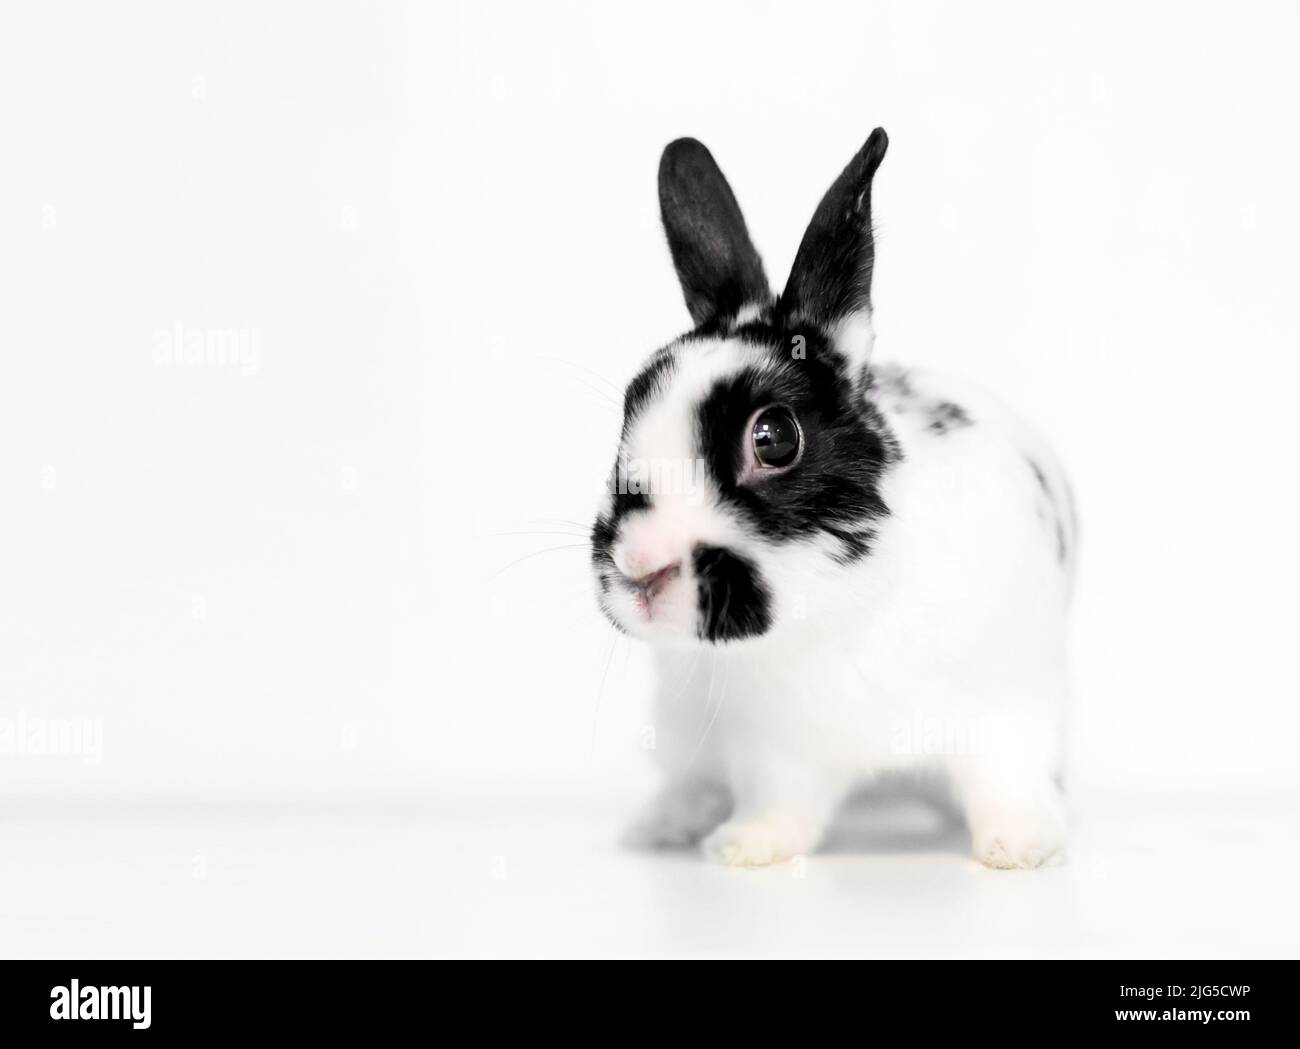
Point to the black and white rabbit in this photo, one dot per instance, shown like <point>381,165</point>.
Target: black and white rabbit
<point>846,569</point>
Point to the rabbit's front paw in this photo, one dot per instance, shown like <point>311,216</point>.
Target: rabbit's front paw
<point>680,816</point>
<point>1012,838</point>
<point>760,842</point>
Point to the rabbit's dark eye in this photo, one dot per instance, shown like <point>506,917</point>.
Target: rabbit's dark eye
<point>776,437</point>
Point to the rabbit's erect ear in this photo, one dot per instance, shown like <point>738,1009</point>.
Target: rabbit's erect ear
<point>830,282</point>
<point>719,269</point>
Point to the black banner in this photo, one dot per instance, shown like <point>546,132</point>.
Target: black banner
<point>1029,1000</point>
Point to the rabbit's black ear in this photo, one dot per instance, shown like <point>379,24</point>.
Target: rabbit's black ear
<point>830,282</point>
<point>719,269</point>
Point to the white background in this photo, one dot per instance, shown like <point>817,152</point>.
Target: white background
<point>333,575</point>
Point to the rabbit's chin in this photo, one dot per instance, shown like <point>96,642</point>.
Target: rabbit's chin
<point>669,618</point>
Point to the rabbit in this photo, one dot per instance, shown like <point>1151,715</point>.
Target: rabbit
<point>846,570</point>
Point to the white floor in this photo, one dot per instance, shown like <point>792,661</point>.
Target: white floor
<point>1146,878</point>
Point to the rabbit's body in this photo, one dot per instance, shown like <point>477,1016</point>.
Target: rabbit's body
<point>875,580</point>
<point>942,652</point>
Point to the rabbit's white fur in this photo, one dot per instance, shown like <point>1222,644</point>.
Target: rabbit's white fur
<point>941,651</point>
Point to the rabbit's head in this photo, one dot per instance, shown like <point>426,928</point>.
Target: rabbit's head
<point>747,479</point>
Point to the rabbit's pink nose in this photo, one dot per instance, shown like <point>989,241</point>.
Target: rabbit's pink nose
<point>643,554</point>
<point>647,566</point>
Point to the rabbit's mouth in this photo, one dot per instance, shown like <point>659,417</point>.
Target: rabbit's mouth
<point>658,605</point>
<point>652,585</point>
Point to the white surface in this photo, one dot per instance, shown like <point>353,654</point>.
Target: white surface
<point>1147,878</point>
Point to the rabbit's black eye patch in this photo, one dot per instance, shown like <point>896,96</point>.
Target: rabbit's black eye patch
<point>776,437</point>
<point>794,447</point>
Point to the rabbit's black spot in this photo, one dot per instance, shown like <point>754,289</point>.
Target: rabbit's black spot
<point>945,416</point>
<point>1051,511</point>
<point>733,601</point>
<point>892,381</point>
<point>895,386</point>
<point>1039,476</point>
